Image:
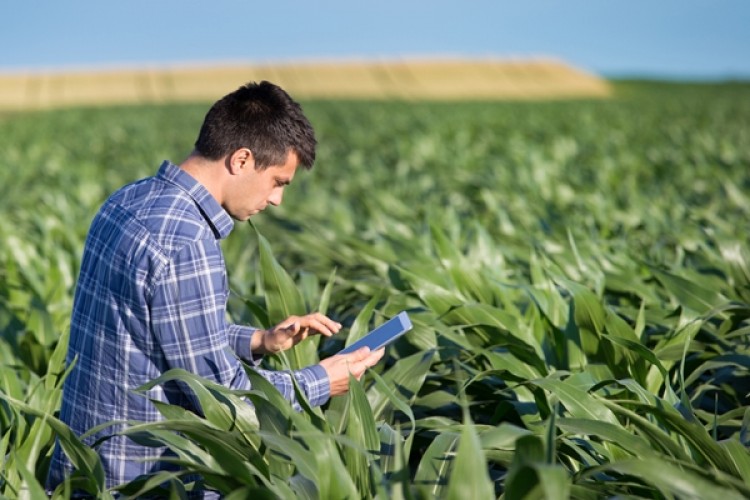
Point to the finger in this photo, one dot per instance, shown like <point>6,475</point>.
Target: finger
<point>316,326</point>
<point>333,325</point>
<point>359,354</point>
<point>281,336</point>
<point>291,321</point>
<point>321,324</point>
<point>375,356</point>
<point>358,369</point>
<point>361,359</point>
<point>291,330</point>
<point>371,359</point>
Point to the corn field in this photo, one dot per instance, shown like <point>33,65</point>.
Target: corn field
<point>577,272</point>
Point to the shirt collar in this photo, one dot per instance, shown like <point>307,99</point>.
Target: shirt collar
<point>219,220</point>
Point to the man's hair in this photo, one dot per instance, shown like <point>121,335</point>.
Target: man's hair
<point>261,117</point>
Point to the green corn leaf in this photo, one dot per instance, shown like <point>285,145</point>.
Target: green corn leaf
<point>430,286</point>
<point>522,480</point>
<point>224,461</point>
<point>219,404</point>
<point>406,377</point>
<point>744,433</point>
<point>200,445</point>
<point>671,480</point>
<point>152,484</point>
<point>482,314</point>
<point>391,442</point>
<point>28,453</point>
<point>589,313</point>
<point>698,437</point>
<point>81,456</point>
<point>398,403</point>
<point>278,419</point>
<point>325,297</point>
<point>737,258</point>
<point>333,479</point>
<point>502,437</point>
<point>530,476</point>
<point>303,488</point>
<point>690,294</point>
<point>392,463</point>
<point>294,452</point>
<point>505,362</point>
<point>615,434</point>
<point>554,481</point>
<point>657,437</point>
<point>740,457</point>
<point>434,468</point>
<point>579,403</point>
<point>309,289</point>
<point>256,493</point>
<point>360,326</point>
<point>469,477</point>
<point>29,488</point>
<point>361,430</point>
<point>283,299</point>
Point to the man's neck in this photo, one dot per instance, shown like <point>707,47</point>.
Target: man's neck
<point>209,173</point>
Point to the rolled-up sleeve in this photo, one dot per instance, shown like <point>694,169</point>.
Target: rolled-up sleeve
<point>188,317</point>
<point>240,337</point>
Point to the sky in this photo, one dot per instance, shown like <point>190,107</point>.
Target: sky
<point>676,39</point>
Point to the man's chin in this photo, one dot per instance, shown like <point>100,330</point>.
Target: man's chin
<point>245,217</point>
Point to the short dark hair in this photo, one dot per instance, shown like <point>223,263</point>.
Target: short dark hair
<point>261,117</point>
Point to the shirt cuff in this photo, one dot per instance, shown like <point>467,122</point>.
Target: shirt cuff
<point>239,340</point>
<point>315,379</point>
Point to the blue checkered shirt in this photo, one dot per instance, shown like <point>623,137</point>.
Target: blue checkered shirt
<point>151,296</point>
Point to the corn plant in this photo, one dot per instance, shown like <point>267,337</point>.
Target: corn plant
<point>577,274</point>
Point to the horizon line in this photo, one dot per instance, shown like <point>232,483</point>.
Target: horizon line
<point>621,74</point>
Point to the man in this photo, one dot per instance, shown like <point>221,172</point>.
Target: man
<point>152,290</point>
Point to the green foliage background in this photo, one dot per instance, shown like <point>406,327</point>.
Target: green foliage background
<point>578,274</point>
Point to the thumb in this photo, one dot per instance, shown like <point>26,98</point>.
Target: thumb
<point>292,328</point>
<point>360,354</point>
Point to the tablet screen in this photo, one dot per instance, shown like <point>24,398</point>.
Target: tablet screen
<point>382,335</point>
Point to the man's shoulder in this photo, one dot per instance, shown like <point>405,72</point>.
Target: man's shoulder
<point>161,211</point>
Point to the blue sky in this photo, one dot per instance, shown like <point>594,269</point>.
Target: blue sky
<point>657,38</point>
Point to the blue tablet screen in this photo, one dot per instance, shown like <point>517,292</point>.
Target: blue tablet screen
<point>382,335</point>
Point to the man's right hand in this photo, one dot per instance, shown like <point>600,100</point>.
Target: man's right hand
<point>340,366</point>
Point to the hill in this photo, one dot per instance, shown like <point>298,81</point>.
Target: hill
<point>445,79</point>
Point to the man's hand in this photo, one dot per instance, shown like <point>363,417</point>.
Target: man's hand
<point>340,366</point>
<point>291,332</point>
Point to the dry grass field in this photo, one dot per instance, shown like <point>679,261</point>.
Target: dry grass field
<point>408,80</point>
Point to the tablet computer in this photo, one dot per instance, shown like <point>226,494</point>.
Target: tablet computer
<point>382,335</point>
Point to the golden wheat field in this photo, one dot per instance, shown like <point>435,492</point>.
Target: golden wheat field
<point>437,79</point>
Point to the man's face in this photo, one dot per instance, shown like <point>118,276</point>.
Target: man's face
<point>252,190</point>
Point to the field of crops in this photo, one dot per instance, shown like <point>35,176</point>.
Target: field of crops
<point>578,274</point>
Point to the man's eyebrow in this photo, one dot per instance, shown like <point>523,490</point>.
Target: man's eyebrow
<point>283,181</point>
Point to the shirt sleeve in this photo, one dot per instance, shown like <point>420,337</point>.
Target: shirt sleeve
<point>239,337</point>
<point>188,319</point>
<point>313,380</point>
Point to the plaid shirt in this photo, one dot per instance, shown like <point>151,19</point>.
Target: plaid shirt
<point>152,296</point>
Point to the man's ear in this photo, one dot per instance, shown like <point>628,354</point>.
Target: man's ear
<point>240,161</point>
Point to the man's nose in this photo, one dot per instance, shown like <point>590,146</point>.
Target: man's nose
<point>275,198</point>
